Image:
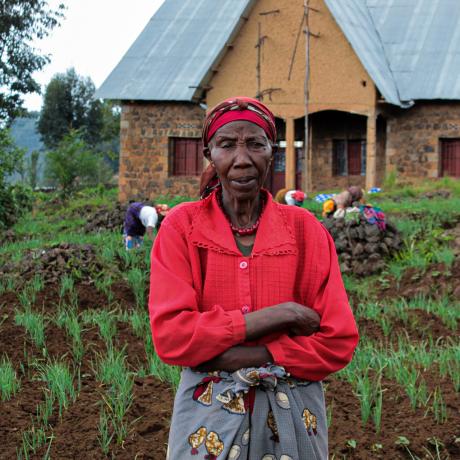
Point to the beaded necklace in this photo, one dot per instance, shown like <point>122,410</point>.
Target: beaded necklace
<point>241,231</point>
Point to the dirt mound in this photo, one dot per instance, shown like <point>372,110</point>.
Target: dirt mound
<point>104,219</point>
<point>9,237</point>
<point>362,247</point>
<point>437,281</point>
<point>453,234</point>
<point>436,194</point>
<point>52,263</point>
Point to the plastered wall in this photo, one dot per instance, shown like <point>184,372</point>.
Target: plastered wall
<point>337,78</point>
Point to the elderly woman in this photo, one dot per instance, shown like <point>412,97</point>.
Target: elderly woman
<point>246,295</point>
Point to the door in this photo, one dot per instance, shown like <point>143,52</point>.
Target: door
<point>450,157</point>
<point>299,157</point>
<point>276,179</point>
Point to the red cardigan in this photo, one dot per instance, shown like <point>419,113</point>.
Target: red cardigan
<point>201,286</point>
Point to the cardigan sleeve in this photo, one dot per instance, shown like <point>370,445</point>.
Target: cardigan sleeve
<point>327,351</point>
<point>182,334</point>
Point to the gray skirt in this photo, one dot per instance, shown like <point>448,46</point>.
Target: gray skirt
<point>251,414</point>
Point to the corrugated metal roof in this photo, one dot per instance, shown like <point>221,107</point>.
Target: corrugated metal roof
<point>174,55</point>
<point>419,52</point>
<point>421,39</point>
<point>357,24</point>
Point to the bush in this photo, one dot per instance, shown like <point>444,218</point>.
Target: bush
<point>73,165</point>
<point>15,201</point>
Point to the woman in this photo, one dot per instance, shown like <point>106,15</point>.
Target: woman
<point>246,295</point>
<point>141,218</point>
<point>337,205</point>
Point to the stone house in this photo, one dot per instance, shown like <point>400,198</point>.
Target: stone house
<point>377,80</point>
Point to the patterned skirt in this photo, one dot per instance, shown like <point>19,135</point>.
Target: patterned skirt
<point>251,414</point>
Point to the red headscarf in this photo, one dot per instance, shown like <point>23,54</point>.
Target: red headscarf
<point>233,109</point>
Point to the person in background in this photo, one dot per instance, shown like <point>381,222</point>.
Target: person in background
<point>280,196</point>
<point>246,295</point>
<point>290,197</point>
<point>140,219</point>
<point>295,197</point>
<point>337,205</point>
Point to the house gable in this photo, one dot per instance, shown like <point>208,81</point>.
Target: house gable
<point>268,59</point>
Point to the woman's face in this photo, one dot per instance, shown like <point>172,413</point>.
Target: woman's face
<point>241,153</point>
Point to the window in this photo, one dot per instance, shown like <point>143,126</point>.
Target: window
<point>186,155</point>
<point>349,157</point>
<point>450,157</point>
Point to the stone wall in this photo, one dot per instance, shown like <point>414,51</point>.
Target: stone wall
<point>413,138</point>
<point>146,129</point>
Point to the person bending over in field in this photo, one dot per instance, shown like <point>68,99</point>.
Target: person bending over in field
<point>140,219</point>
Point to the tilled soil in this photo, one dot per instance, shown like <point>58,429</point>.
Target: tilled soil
<point>437,281</point>
<point>76,433</point>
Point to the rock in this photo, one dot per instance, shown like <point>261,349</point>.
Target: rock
<point>371,230</point>
<point>362,247</point>
<point>370,248</point>
<point>358,250</point>
<point>456,293</point>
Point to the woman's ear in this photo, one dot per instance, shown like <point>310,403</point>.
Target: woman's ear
<point>207,153</point>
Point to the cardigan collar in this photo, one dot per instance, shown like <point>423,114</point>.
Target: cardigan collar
<point>210,229</point>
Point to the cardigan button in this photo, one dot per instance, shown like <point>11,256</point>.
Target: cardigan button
<point>243,264</point>
<point>245,309</point>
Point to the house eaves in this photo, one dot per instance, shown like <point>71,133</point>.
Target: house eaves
<point>174,56</point>
<point>357,24</point>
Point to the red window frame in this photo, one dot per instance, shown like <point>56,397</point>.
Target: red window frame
<point>186,155</point>
<point>348,157</point>
<point>450,157</point>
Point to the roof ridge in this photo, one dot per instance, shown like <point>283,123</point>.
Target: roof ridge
<point>405,104</point>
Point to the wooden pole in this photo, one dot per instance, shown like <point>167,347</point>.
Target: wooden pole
<point>371,150</point>
<point>306,173</point>
<point>259,44</point>
<point>290,154</point>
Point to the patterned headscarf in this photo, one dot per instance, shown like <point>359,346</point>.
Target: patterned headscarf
<point>233,109</point>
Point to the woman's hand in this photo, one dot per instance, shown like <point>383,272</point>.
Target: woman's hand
<point>303,320</point>
<point>289,317</point>
<point>236,358</point>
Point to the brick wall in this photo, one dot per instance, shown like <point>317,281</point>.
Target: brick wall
<point>144,148</point>
<point>413,138</point>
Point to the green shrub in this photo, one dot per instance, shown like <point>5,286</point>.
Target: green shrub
<point>15,201</point>
<point>73,164</point>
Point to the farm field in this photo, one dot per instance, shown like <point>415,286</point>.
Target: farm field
<point>79,377</point>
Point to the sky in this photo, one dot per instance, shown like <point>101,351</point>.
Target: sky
<point>92,38</point>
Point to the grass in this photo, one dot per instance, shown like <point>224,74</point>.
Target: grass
<point>138,279</point>
<point>69,320</point>
<point>9,382</point>
<point>111,370</point>
<point>398,357</point>
<point>106,322</point>
<point>60,382</point>
<point>34,324</point>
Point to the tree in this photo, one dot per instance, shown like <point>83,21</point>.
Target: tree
<point>21,22</point>
<point>73,164</point>
<point>32,168</point>
<point>14,199</point>
<point>69,104</point>
<point>11,156</point>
